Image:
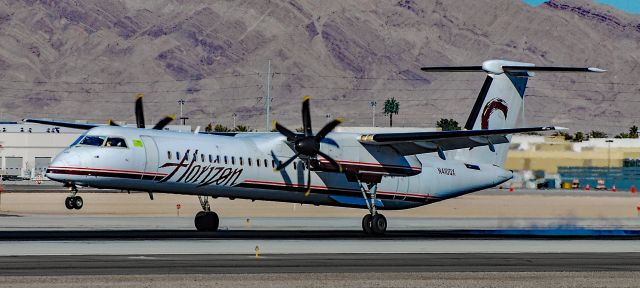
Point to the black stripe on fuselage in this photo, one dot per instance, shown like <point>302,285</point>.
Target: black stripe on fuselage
<point>291,188</point>
<point>123,175</point>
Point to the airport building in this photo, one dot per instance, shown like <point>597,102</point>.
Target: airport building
<point>26,149</point>
<point>600,162</point>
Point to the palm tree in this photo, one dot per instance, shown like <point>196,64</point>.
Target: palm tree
<point>391,106</point>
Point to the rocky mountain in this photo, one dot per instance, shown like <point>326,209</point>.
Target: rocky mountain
<point>87,59</point>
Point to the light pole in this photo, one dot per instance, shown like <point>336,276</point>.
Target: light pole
<point>181,103</point>
<point>373,112</point>
<point>234,115</point>
<point>609,141</point>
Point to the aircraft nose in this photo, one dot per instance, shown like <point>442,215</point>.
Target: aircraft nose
<point>58,170</point>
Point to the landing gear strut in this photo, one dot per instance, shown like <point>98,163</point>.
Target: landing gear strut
<point>372,223</point>
<point>73,201</point>
<point>206,220</point>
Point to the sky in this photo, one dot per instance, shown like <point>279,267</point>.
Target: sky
<point>631,6</point>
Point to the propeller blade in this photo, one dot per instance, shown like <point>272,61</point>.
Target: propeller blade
<point>291,136</point>
<point>328,128</point>
<point>164,122</point>
<point>306,117</point>
<point>139,112</point>
<point>286,163</point>
<point>111,123</point>
<point>331,160</point>
<point>308,190</point>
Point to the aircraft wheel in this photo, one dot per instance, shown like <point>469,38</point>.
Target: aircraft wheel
<point>207,221</point>
<point>366,224</point>
<point>379,224</point>
<point>77,202</point>
<point>68,202</point>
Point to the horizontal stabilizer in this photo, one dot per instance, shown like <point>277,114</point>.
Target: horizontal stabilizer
<point>511,67</point>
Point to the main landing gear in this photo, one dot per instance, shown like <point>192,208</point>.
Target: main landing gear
<point>206,220</point>
<point>372,223</point>
<point>72,201</point>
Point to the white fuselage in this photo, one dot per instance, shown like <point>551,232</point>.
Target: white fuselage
<point>242,166</point>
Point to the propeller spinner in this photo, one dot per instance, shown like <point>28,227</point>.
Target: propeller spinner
<point>306,144</point>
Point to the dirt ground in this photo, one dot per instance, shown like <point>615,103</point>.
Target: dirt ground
<point>501,204</point>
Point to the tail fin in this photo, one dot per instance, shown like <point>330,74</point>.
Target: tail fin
<point>500,101</point>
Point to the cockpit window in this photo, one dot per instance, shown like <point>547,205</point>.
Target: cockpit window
<point>77,140</point>
<point>93,140</point>
<point>115,142</point>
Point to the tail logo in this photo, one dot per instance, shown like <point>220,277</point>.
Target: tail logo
<point>493,105</point>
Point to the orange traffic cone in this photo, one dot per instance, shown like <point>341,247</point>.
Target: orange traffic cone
<point>633,189</point>
<point>587,187</point>
<point>613,188</point>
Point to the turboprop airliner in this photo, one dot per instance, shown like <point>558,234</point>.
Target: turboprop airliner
<point>373,171</point>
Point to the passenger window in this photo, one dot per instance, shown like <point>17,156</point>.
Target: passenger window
<point>210,158</point>
<point>265,163</point>
<point>240,161</point>
<point>249,161</point>
<point>233,160</point>
<point>202,157</point>
<point>217,158</point>
<point>169,155</point>
<point>177,155</point>
<point>93,140</point>
<point>225,160</point>
<point>294,166</point>
<point>115,142</point>
<point>257,162</point>
<point>186,156</point>
<point>273,164</point>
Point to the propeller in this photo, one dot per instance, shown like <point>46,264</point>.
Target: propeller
<point>140,116</point>
<point>306,144</point>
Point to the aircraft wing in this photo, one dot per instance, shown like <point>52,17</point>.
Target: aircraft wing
<point>428,142</point>
<point>62,124</point>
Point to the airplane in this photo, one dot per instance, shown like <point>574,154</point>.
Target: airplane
<point>373,171</point>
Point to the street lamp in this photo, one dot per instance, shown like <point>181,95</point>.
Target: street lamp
<point>184,119</point>
<point>373,113</point>
<point>609,141</point>
<point>234,115</point>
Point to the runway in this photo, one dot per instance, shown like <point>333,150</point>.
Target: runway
<point>316,263</point>
<point>134,251</point>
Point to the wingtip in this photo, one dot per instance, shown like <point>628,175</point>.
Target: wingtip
<point>340,120</point>
<point>274,124</point>
<point>306,98</point>
<point>596,70</point>
<point>173,117</point>
<point>139,95</point>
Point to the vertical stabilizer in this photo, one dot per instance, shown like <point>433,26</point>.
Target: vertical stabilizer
<point>499,102</point>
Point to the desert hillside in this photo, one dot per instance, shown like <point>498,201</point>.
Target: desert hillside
<point>87,59</point>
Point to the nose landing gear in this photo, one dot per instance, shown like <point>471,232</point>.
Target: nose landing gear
<point>206,220</point>
<point>73,201</point>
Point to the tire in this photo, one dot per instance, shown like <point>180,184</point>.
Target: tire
<point>68,202</point>
<point>206,221</point>
<point>379,224</point>
<point>366,224</point>
<point>78,202</point>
